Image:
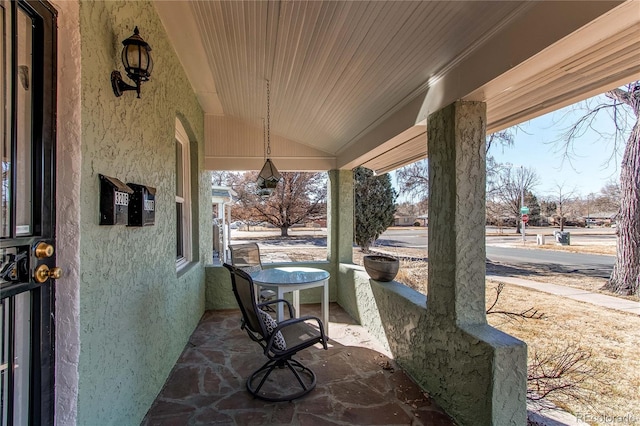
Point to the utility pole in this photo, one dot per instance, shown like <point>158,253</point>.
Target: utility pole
<point>523,223</point>
<point>588,208</point>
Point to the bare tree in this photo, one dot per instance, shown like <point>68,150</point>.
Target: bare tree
<point>298,197</point>
<point>606,201</point>
<point>623,106</point>
<point>563,371</point>
<point>561,197</point>
<point>408,209</point>
<point>609,198</point>
<point>497,214</point>
<point>547,207</point>
<point>510,185</point>
<point>566,372</point>
<point>503,138</point>
<point>531,313</point>
<point>225,178</point>
<point>413,179</point>
<point>493,172</point>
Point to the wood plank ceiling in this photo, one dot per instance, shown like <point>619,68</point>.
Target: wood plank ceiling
<point>337,68</point>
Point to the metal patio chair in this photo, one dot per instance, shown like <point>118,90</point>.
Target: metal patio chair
<point>247,256</point>
<point>280,342</point>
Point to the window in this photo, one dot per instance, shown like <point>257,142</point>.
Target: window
<point>183,197</point>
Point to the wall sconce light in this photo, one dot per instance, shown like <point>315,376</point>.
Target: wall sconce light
<point>137,63</point>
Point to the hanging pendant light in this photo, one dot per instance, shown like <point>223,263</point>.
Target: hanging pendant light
<point>269,176</point>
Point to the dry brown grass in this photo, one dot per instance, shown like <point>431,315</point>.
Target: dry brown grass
<point>609,249</point>
<point>611,337</point>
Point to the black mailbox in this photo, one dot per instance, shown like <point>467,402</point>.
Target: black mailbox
<point>142,208</point>
<point>114,201</point>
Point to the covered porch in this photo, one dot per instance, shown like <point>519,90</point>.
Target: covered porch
<point>378,84</point>
<point>358,384</point>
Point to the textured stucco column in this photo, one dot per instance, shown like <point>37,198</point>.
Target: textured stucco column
<point>457,176</point>
<point>340,217</point>
<point>68,170</point>
<point>477,373</point>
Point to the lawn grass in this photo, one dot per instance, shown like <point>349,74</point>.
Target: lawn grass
<point>610,338</point>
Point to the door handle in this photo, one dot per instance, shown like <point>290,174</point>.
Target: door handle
<point>43,273</point>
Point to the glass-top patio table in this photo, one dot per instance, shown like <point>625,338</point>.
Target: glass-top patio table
<point>293,279</point>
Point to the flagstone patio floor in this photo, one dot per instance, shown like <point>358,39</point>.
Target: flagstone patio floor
<point>357,383</point>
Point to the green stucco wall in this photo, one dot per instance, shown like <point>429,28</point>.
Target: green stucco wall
<point>340,218</point>
<point>136,311</point>
<point>483,380</point>
<point>475,372</point>
<point>219,294</point>
<point>471,371</point>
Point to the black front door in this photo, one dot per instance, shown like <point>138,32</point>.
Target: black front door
<point>27,214</point>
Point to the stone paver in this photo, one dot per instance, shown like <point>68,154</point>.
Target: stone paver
<point>357,382</point>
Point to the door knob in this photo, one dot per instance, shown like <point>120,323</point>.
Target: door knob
<point>43,250</point>
<point>55,273</point>
<point>43,273</point>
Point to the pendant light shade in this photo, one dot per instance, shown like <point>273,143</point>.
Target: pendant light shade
<point>269,176</point>
<point>267,179</point>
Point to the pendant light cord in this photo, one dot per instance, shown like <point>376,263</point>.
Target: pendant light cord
<point>268,120</point>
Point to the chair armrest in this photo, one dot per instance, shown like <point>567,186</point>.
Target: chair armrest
<point>273,302</point>
<point>286,323</point>
<point>293,321</point>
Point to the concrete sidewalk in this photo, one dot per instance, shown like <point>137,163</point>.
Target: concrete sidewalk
<point>610,302</point>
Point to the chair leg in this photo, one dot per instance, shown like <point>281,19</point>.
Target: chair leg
<point>269,366</point>
<point>295,367</point>
<point>295,373</point>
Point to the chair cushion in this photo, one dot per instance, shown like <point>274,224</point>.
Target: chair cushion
<point>251,269</point>
<point>271,324</point>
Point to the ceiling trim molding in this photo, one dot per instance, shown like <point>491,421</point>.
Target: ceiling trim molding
<point>284,164</point>
<point>182,30</point>
<point>485,64</point>
<point>613,32</point>
<point>433,80</point>
<point>231,137</point>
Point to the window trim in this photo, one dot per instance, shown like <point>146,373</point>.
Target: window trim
<point>187,249</point>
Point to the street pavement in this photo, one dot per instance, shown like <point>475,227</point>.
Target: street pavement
<point>593,265</point>
<point>501,248</point>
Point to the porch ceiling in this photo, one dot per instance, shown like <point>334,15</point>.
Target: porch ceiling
<point>348,79</point>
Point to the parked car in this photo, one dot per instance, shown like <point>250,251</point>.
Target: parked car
<point>236,225</point>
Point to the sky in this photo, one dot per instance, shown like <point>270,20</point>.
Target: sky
<point>538,145</point>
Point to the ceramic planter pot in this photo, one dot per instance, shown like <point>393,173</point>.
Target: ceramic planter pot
<point>381,267</point>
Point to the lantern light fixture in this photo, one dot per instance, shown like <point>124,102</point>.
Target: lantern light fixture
<point>269,176</point>
<point>138,64</point>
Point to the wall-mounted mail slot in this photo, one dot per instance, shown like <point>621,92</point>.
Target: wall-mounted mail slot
<point>114,201</point>
<point>142,208</point>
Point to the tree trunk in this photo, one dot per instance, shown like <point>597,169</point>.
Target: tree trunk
<point>284,231</point>
<point>625,278</point>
